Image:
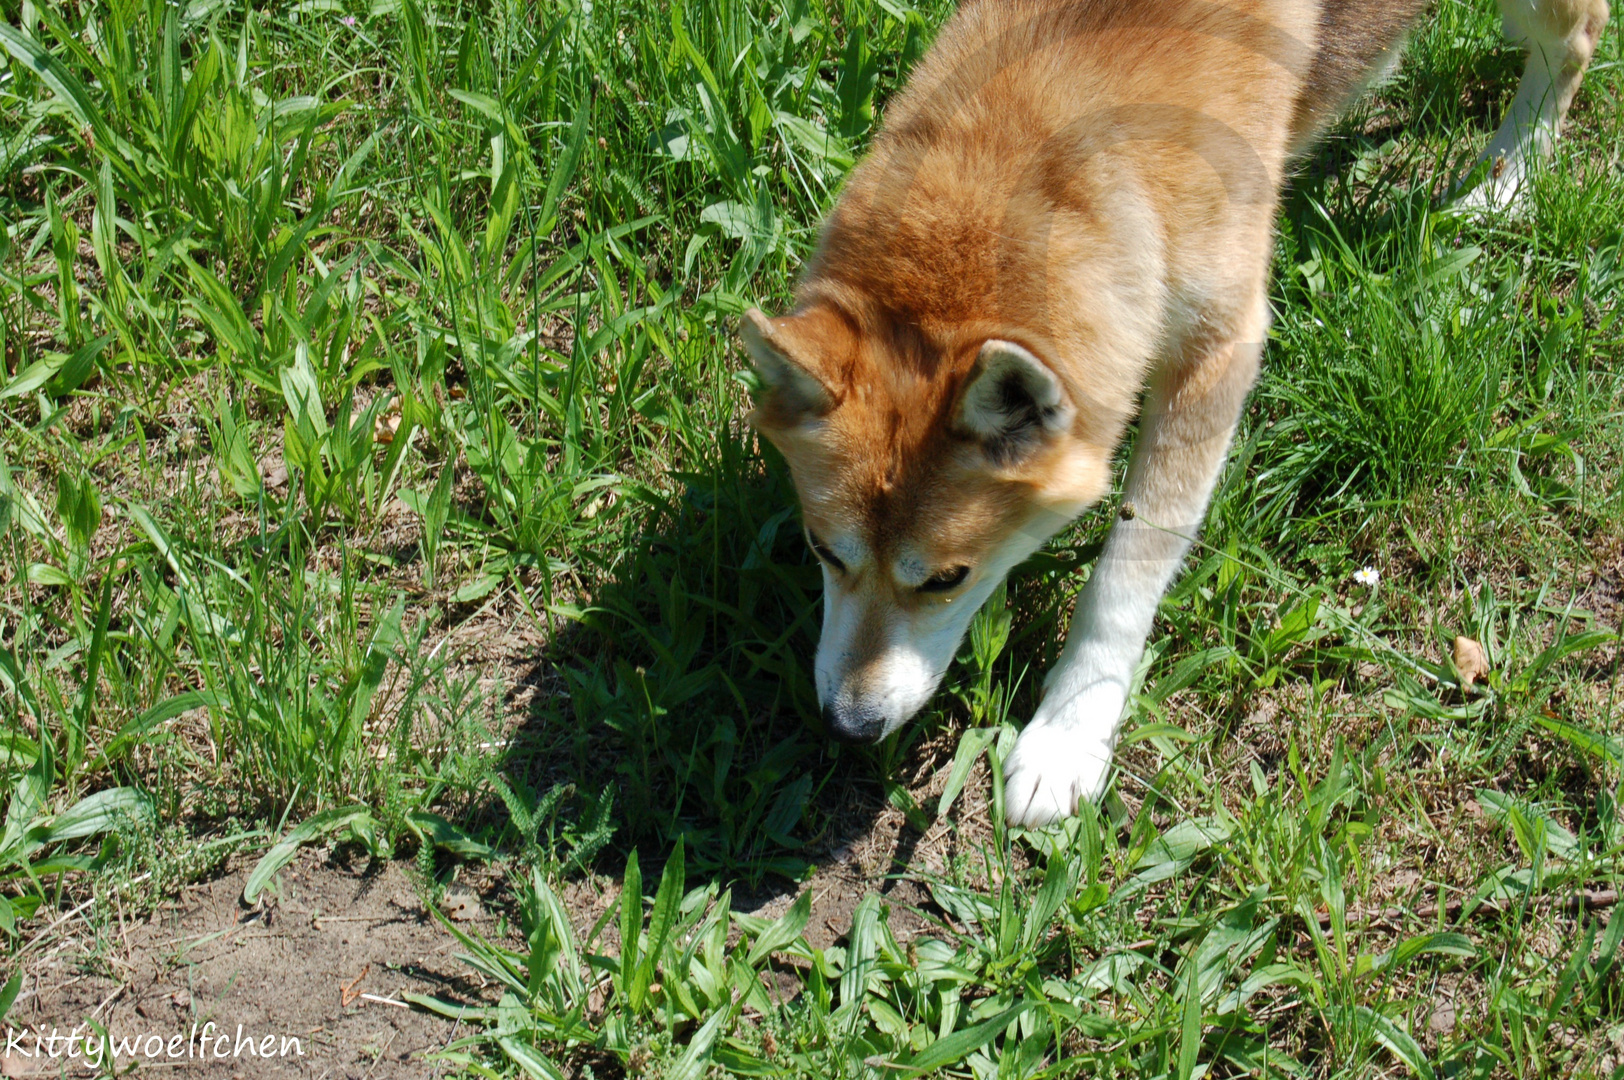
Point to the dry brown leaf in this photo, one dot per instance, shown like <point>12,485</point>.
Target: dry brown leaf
<point>1471,662</point>
<point>460,906</point>
<point>384,427</point>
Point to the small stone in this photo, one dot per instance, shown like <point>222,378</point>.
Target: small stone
<point>1442,1019</point>
<point>1264,713</point>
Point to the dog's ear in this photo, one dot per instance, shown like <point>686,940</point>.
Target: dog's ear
<point>793,355</point>
<point>1012,403</point>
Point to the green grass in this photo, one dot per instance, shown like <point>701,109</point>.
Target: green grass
<point>346,346</point>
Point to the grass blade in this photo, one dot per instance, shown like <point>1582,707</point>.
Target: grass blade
<point>319,824</point>
<point>1396,1039</point>
<point>955,1047</point>
<point>785,930</point>
<point>672,879</point>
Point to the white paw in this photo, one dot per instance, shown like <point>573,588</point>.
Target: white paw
<point>1063,756</point>
<point>1501,191</point>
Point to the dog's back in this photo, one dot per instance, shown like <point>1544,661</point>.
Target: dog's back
<point>1355,40</point>
<point>1125,150</point>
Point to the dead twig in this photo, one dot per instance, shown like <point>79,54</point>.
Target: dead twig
<point>1582,900</point>
<point>347,992</point>
<point>385,1001</point>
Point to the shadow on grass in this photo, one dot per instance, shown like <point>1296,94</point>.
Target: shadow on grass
<point>682,702</point>
<point>1397,144</point>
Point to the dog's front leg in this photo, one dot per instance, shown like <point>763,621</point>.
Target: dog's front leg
<point>1561,36</point>
<point>1189,417</point>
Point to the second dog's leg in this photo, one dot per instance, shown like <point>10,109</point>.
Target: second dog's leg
<point>1561,36</point>
<point>1064,754</point>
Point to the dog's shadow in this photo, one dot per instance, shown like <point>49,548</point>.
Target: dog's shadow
<point>677,700</point>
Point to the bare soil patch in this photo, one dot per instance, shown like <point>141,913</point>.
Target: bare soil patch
<point>311,964</point>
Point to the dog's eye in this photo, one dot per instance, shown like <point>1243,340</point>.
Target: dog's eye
<point>821,550</point>
<point>946,580</point>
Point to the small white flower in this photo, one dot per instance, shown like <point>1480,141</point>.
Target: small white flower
<point>1368,576</point>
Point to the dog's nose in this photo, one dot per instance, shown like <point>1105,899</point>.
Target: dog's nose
<point>849,724</point>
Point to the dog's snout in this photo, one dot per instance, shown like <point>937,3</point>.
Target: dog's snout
<point>853,724</point>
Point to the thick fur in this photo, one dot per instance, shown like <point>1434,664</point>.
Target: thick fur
<point>1067,220</point>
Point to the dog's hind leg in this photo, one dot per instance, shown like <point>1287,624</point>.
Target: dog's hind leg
<point>1561,37</point>
<point>1189,417</point>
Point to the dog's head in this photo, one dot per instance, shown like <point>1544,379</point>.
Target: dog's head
<point>927,467</point>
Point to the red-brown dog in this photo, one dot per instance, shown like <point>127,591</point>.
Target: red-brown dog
<point>1071,203</point>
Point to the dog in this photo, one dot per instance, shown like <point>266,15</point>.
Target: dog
<point>1070,209</point>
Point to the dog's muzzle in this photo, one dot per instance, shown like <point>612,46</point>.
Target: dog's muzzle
<point>853,723</point>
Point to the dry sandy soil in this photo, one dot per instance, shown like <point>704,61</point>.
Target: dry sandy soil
<point>318,964</point>
<point>329,959</point>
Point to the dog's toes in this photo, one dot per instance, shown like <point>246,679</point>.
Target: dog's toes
<point>1050,769</point>
<point>1502,191</point>
<point>1041,802</point>
<point>1019,788</point>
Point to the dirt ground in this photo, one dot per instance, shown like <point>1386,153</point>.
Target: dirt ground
<point>329,960</point>
<point>324,964</point>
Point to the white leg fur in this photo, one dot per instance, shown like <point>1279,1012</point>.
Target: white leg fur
<point>1561,37</point>
<point>1064,754</point>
